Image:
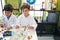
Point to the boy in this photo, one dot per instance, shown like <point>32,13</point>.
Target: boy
<point>26,20</point>
<point>8,19</point>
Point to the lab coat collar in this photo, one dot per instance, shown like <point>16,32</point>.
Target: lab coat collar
<point>24,16</point>
<point>7,18</point>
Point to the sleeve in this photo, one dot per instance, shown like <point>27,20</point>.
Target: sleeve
<point>18,21</point>
<point>14,22</point>
<point>33,23</point>
<point>3,19</point>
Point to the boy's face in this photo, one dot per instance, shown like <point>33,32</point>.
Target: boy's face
<point>25,11</point>
<point>7,13</point>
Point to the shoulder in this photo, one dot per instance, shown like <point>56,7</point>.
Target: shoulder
<point>3,16</point>
<point>14,16</point>
<point>31,16</point>
<point>20,16</point>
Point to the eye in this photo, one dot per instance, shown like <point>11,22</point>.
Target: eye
<point>26,10</point>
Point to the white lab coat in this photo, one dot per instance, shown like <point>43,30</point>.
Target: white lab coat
<point>24,21</point>
<point>11,22</point>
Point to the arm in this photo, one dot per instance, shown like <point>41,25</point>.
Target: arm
<point>2,21</point>
<point>33,23</point>
<point>14,22</point>
<point>18,22</point>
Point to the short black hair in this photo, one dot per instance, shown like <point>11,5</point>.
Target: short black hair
<point>8,7</point>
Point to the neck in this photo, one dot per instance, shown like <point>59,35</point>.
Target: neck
<point>9,15</point>
<point>26,15</point>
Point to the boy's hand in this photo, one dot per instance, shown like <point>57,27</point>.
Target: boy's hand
<point>17,26</point>
<point>9,27</point>
<point>30,27</point>
<point>1,24</point>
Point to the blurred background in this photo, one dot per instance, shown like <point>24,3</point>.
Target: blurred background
<point>45,12</point>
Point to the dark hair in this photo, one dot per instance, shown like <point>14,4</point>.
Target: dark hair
<point>8,7</point>
<point>25,5</point>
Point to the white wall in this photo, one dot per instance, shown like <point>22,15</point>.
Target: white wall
<point>1,7</point>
